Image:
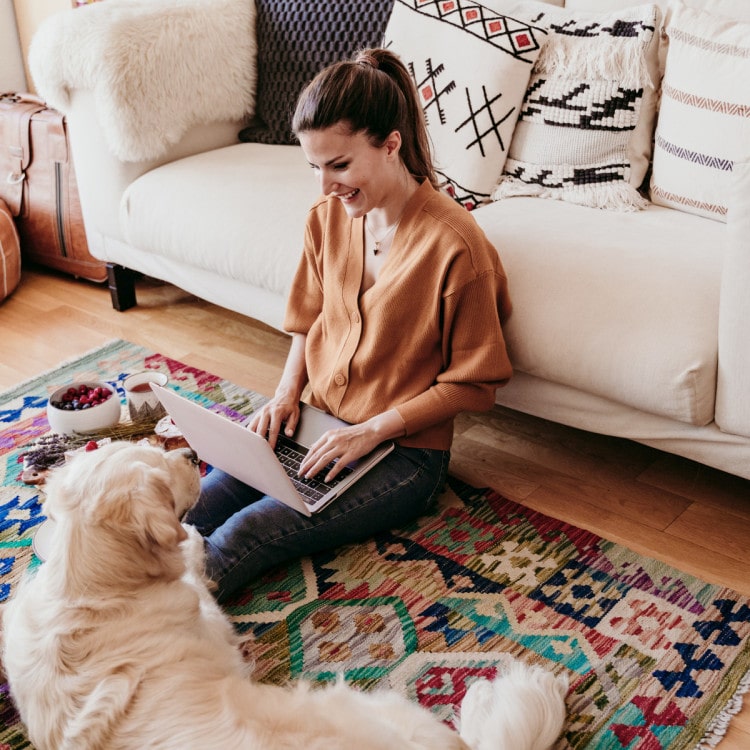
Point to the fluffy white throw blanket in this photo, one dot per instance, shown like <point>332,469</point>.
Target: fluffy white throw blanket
<point>156,67</point>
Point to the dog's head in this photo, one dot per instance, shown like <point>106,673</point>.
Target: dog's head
<point>121,505</point>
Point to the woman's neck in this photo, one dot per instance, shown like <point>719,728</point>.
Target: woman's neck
<point>381,218</point>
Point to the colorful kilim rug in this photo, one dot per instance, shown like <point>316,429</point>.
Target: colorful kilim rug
<point>655,657</point>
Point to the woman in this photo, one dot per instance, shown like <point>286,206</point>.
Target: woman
<point>396,317</point>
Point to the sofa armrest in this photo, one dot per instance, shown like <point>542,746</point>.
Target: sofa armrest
<point>733,382</point>
<point>102,177</point>
<point>155,68</point>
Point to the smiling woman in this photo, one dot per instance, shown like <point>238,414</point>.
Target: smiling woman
<point>385,253</point>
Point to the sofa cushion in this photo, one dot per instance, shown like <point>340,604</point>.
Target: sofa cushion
<point>705,105</point>
<point>585,129</point>
<point>237,211</point>
<point>733,387</point>
<point>471,66</point>
<point>620,305</point>
<point>297,39</point>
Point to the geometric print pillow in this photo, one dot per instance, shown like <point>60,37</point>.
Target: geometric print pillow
<point>704,118</point>
<point>471,67</point>
<point>296,39</point>
<point>585,130</point>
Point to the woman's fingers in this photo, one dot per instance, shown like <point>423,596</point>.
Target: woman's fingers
<point>270,419</point>
<point>340,446</point>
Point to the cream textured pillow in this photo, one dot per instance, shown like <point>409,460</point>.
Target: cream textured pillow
<point>705,106</point>
<point>471,66</point>
<point>586,126</point>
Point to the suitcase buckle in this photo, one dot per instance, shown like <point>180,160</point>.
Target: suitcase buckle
<point>14,179</point>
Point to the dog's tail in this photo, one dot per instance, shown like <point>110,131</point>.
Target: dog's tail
<point>522,709</point>
<point>104,707</point>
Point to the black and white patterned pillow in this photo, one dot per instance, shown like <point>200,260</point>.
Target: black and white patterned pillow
<point>471,67</point>
<point>298,38</point>
<point>584,134</point>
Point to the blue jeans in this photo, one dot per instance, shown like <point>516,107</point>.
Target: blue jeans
<point>246,532</point>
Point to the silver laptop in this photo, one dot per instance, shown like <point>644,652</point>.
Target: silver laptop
<point>247,456</point>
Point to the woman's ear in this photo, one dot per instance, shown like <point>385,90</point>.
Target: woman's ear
<point>393,143</point>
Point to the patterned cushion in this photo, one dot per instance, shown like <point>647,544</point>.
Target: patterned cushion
<point>704,118</point>
<point>471,67</point>
<point>297,39</point>
<point>584,133</point>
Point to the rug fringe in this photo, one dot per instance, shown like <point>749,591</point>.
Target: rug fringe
<point>717,729</point>
<point>23,387</point>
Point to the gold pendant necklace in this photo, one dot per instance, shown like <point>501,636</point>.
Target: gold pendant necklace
<point>379,242</point>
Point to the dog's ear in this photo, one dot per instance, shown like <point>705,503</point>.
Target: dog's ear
<point>152,507</point>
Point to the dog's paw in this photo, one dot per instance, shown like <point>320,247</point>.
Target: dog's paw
<point>194,550</point>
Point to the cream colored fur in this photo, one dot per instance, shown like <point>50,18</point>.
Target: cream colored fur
<point>156,67</point>
<point>117,643</point>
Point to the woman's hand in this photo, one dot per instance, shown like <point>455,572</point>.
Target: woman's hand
<point>279,411</point>
<point>347,444</point>
<point>283,408</point>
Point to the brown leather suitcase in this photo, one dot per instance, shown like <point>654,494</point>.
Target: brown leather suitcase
<point>10,253</point>
<point>38,183</point>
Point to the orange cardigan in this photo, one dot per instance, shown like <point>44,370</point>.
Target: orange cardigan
<point>425,339</point>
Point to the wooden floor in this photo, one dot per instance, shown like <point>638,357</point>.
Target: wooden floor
<point>693,517</point>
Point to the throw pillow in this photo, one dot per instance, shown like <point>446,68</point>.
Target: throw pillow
<point>705,109</point>
<point>471,66</point>
<point>297,39</point>
<point>586,126</point>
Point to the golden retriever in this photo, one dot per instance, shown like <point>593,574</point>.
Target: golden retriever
<point>116,642</point>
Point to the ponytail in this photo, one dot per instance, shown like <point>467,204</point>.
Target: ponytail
<point>374,93</point>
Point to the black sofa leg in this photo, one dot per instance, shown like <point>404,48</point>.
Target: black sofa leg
<point>121,282</point>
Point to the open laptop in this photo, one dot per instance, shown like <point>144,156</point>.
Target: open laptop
<point>247,456</point>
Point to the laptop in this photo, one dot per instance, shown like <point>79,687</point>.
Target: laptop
<point>233,448</point>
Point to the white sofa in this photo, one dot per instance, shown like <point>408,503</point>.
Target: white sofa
<point>627,323</point>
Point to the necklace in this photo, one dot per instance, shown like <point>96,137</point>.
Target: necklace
<point>378,242</point>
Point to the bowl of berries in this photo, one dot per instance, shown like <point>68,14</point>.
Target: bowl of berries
<point>83,407</point>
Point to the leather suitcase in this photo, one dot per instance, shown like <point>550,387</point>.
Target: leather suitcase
<point>10,253</point>
<point>38,183</point>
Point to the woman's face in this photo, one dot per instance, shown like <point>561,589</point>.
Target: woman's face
<point>349,167</point>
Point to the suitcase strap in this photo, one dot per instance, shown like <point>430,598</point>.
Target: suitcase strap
<point>15,144</point>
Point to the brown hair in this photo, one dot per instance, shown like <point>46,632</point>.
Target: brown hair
<point>373,93</point>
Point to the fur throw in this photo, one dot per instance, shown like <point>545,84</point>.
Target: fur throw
<point>155,67</point>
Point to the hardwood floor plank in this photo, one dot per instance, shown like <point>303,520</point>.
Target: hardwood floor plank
<point>577,475</point>
<point>703,526</point>
<point>706,485</point>
<point>710,564</point>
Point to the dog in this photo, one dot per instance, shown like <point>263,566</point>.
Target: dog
<point>116,641</point>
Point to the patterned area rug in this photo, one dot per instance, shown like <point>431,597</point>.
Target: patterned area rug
<point>656,658</point>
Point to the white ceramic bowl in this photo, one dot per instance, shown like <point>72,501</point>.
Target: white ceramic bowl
<point>90,419</point>
<point>43,539</point>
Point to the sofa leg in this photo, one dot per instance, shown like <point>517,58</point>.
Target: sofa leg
<point>121,282</point>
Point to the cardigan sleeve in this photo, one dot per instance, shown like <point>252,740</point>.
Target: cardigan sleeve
<point>305,299</point>
<point>474,351</point>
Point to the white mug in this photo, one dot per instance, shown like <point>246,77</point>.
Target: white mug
<point>143,404</point>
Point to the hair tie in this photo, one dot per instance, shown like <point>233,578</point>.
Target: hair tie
<point>367,58</point>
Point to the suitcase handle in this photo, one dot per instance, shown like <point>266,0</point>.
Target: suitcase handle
<point>15,97</point>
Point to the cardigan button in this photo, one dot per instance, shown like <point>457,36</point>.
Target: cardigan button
<point>339,379</point>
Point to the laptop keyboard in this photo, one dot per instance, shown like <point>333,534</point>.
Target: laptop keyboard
<point>291,454</point>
